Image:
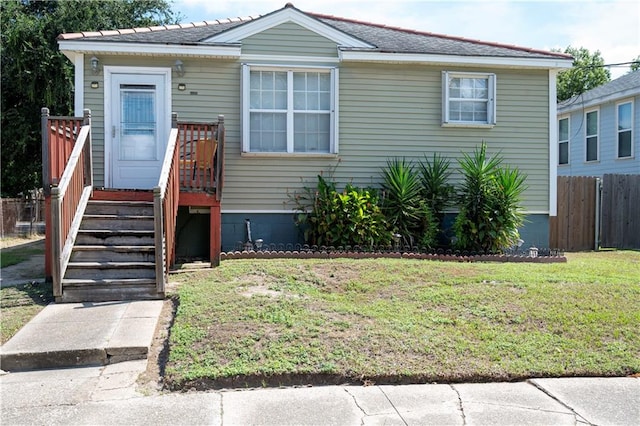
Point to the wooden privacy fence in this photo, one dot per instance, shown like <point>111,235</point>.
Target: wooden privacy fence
<point>621,211</point>
<point>574,229</point>
<point>594,213</point>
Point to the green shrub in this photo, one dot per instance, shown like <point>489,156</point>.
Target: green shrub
<point>403,205</point>
<point>348,218</point>
<point>489,200</point>
<point>436,191</point>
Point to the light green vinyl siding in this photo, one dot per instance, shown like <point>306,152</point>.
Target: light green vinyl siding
<point>385,110</point>
<point>393,110</point>
<point>289,39</point>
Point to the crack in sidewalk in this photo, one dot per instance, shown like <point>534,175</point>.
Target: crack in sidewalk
<point>464,417</point>
<point>578,418</point>
<point>393,405</point>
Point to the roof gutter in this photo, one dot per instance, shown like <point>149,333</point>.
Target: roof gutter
<point>431,59</point>
<point>70,47</point>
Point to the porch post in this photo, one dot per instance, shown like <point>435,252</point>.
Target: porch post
<point>46,169</point>
<point>46,189</point>
<point>215,238</point>
<point>88,157</point>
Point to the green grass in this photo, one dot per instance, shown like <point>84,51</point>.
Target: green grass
<point>270,322</point>
<point>21,252</point>
<point>21,303</point>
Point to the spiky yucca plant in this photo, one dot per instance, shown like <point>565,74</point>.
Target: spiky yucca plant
<point>403,204</point>
<point>489,200</point>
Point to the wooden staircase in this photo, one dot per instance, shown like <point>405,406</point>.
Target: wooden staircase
<point>113,257</point>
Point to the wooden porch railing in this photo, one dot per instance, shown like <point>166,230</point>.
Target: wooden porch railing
<point>68,179</point>
<point>201,156</point>
<point>165,208</point>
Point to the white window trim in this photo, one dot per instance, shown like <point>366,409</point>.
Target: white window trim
<point>491,107</point>
<point>618,104</point>
<point>568,141</point>
<point>597,135</point>
<point>333,112</point>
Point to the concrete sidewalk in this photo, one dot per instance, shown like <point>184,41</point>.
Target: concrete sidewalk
<point>107,395</point>
<point>77,334</point>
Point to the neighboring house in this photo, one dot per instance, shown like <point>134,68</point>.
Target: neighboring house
<point>304,94</point>
<point>599,130</point>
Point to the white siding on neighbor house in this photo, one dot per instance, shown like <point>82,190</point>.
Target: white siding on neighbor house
<point>608,140</point>
<point>289,39</point>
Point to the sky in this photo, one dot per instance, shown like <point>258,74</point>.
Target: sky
<point>609,26</point>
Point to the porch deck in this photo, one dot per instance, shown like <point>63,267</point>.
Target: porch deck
<point>192,175</point>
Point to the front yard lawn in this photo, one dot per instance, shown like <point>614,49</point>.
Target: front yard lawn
<point>285,322</point>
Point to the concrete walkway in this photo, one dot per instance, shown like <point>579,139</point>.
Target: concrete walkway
<point>103,336</point>
<point>77,334</point>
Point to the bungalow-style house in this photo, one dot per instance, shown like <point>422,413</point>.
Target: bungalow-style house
<point>301,94</point>
<point>599,130</point>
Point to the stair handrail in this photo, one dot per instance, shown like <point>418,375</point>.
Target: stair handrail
<point>69,198</point>
<point>165,208</point>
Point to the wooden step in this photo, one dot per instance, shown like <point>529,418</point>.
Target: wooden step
<point>110,270</point>
<point>104,290</point>
<point>119,207</point>
<point>115,237</point>
<point>113,253</point>
<point>117,222</point>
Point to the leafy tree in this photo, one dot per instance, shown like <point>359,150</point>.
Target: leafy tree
<point>588,71</point>
<point>35,73</point>
<point>635,66</point>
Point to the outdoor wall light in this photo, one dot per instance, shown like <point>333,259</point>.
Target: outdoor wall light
<point>179,67</point>
<point>95,84</point>
<point>94,65</point>
<point>182,86</point>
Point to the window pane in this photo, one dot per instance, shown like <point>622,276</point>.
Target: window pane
<point>268,132</point>
<point>138,125</point>
<point>563,153</point>
<point>563,129</point>
<point>469,99</point>
<point>592,148</point>
<point>624,116</point>
<point>311,132</point>
<point>268,90</point>
<point>592,123</point>
<point>624,144</point>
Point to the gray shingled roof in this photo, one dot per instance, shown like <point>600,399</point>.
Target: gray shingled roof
<point>619,85</point>
<point>386,39</point>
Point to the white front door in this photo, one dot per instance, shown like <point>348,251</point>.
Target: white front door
<point>139,129</point>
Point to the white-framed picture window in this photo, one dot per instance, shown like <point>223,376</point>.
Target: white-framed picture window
<point>563,141</point>
<point>591,135</point>
<point>289,110</point>
<point>624,129</point>
<point>469,99</point>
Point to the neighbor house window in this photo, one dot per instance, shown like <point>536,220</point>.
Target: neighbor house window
<point>563,141</point>
<point>625,126</point>
<point>289,110</point>
<point>468,98</point>
<point>591,140</point>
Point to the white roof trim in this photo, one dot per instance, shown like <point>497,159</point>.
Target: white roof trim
<point>578,104</point>
<point>422,58</point>
<point>287,59</point>
<point>148,49</point>
<point>282,16</point>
